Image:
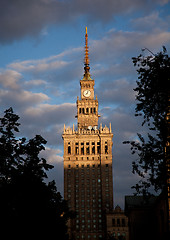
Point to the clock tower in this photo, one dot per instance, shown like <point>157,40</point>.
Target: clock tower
<point>88,181</point>
<point>87,106</point>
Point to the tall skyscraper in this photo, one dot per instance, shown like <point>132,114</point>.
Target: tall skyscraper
<point>88,182</point>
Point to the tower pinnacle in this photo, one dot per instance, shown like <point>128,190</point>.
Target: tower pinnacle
<point>86,59</point>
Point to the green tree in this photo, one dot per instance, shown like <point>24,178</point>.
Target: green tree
<point>28,205</point>
<point>153,92</point>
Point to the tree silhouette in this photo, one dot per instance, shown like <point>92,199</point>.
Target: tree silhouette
<point>28,205</point>
<point>153,94</point>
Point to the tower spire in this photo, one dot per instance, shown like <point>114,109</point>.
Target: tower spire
<point>86,59</point>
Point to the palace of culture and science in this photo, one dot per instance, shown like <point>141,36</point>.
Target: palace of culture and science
<point>88,180</point>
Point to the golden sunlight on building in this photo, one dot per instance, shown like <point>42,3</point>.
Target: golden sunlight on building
<point>88,181</point>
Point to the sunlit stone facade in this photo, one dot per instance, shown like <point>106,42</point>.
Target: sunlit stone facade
<point>88,181</point>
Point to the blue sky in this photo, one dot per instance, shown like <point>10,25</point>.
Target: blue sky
<point>42,52</point>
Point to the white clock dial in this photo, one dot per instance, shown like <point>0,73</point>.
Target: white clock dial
<point>87,93</point>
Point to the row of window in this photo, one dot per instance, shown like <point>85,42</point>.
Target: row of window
<point>85,148</point>
<point>89,220</point>
<point>119,235</point>
<point>89,226</point>
<point>92,210</point>
<point>89,158</point>
<point>118,222</point>
<point>87,110</point>
<point>88,167</point>
<point>89,237</point>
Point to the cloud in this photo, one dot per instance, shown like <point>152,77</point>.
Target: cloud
<point>116,44</point>
<point>47,113</point>
<point>119,92</point>
<point>124,127</point>
<point>54,69</point>
<point>47,120</point>
<point>150,22</point>
<point>37,66</point>
<point>52,155</point>
<point>35,82</point>
<point>20,20</point>
<point>10,78</point>
<point>20,99</point>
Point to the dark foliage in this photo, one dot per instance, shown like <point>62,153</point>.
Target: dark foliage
<point>29,207</point>
<point>153,92</point>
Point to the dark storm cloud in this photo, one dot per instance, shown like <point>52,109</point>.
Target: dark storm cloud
<point>20,18</point>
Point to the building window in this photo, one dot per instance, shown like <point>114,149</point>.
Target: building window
<point>82,148</point>
<point>83,110</point>
<point>79,110</point>
<point>69,149</point>
<point>118,222</point>
<point>76,148</point>
<point>106,149</point>
<point>123,222</point>
<point>93,147</point>
<point>98,147</point>
<point>113,222</point>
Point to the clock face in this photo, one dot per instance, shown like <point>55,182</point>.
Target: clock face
<point>87,93</point>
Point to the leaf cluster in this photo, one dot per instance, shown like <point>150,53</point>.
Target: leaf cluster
<point>153,86</point>
<point>153,92</point>
<point>27,204</point>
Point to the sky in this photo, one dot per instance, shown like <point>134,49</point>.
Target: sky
<point>42,61</point>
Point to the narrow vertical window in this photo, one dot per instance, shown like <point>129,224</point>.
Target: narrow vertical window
<point>87,148</point>
<point>82,148</point>
<point>98,147</point>
<point>93,147</point>
<point>123,222</point>
<point>76,148</point>
<point>69,148</point>
<point>106,148</point>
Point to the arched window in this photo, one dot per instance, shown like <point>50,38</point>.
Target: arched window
<point>69,148</point>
